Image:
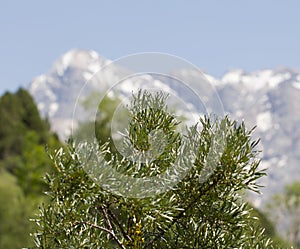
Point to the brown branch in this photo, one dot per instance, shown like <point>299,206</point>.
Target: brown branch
<point>106,218</point>
<point>110,227</point>
<point>116,221</point>
<point>99,227</point>
<point>111,232</point>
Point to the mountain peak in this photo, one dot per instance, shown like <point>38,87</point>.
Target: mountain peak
<point>81,59</point>
<point>55,91</point>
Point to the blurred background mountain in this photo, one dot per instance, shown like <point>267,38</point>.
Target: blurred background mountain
<point>266,98</point>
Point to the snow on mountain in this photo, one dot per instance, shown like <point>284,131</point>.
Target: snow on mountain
<point>56,92</point>
<point>256,80</point>
<point>267,98</point>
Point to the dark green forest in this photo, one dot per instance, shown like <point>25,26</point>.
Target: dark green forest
<point>24,137</point>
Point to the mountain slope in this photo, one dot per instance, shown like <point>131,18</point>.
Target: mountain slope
<point>272,105</point>
<point>56,92</point>
<point>266,98</point>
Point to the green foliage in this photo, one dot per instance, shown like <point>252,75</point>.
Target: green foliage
<point>19,114</point>
<point>284,210</point>
<point>262,220</point>
<point>23,163</point>
<point>148,119</point>
<point>23,137</point>
<point>14,210</point>
<point>101,127</point>
<point>203,210</point>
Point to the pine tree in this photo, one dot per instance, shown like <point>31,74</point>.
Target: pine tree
<point>210,165</point>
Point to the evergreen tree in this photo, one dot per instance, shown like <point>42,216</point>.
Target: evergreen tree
<point>202,208</point>
<point>23,163</point>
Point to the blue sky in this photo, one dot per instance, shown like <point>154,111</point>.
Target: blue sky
<point>215,35</point>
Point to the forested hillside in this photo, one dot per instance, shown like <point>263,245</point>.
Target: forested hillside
<point>24,137</point>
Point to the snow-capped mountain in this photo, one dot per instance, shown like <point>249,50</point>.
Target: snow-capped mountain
<point>266,98</point>
<point>269,99</point>
<point>57,91</point>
